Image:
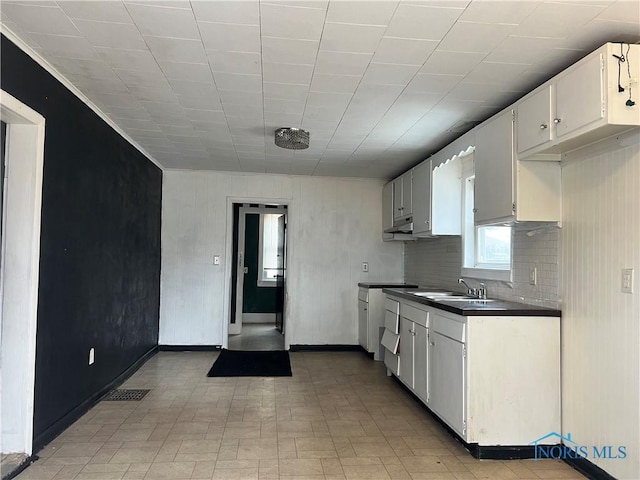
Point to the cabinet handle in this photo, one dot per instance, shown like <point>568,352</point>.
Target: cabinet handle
<point>543,126</point>
<point>432,344</point>
<point>475,210</point>
<point>557,120</point>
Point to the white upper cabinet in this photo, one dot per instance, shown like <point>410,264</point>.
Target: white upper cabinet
<point>580,105</point>
<point>402,197</point>
<point>493,163</point>
<point>387,206</point>
<point>509,190</point>
<point>437,198</point>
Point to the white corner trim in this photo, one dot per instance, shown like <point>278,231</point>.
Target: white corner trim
<point>35,56</point>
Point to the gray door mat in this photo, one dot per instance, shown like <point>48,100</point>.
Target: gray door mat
<point>125,395</point>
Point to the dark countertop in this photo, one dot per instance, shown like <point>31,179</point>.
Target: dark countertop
<point>386,285</point>
<point>475,307</point>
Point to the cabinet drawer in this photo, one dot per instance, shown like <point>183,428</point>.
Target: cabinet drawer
<point>414,314</point>
<point>363,294</point>
<point>449,328</point>
<point>391,321</point>
<point>392,305</point>
<point>392,362</point>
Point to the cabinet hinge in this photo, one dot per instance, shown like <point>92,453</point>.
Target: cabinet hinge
<point>513,116</point>
<point>464,351</point>
<point>601,62</point>
<point>464,427</point>
<point>513,207</point>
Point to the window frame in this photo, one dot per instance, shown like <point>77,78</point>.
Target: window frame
<point>262,282</point>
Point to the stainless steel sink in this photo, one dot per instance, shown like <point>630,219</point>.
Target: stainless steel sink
<point>464,299</point>
<point>433,294</point>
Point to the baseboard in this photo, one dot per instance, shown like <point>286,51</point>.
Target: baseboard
<point>65,422</point>
<point>20,468</point>
<point>326,348</point>
<point>588,469</point>
<point>189,348</point>
<point>259,318</point>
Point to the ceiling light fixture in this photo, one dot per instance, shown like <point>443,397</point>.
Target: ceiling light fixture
<point>292,138</point>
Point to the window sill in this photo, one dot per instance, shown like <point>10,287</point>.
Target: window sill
<point>486,274</point>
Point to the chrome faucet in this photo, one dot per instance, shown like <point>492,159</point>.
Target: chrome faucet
<point>480,292</point>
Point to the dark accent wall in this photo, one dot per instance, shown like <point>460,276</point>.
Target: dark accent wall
<point>255,299</point>
<point>100,246</point>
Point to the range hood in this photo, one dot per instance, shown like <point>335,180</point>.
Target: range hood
<point>401,225</point>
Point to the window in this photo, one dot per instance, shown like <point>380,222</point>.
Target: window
<point>268,250</point>
<point>486,249</point>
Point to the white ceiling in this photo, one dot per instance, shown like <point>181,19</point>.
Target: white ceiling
<point>379,84</point>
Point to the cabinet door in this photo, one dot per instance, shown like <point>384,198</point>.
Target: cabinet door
<point>580,97</point>
<point>363,324</point>
<point>397,199</point>
<point>493,159</point>
<point>406,351</point>
<point>421,198</point>
<point>421,359</point>
<point>407,188</point>
<point>447,381</point>
<point>387,206</point>
<point>534,120</point>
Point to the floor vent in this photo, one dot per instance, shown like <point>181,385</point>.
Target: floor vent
<point>122,395</point>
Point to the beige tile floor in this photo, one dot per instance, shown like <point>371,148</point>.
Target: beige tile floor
<point>338,417</point>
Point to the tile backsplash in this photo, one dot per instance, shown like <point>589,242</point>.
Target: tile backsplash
<point>437,262</point>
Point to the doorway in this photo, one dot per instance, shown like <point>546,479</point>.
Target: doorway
<point>23,142</point>
<point>258,277</point>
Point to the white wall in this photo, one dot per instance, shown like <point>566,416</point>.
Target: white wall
<point>601,325</point>
<point>334,225</point>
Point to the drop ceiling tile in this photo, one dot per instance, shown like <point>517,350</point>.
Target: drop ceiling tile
<point>162,94</point>
<point>404,51</point>
<point>210,116</point>
<point>340,37</point>
<point>34,18</point>
<point>116,99</point>
<point>184,4</point>
<point>426,82</point>
<point>285,91</point>
<point>417,21</point>
<point>389,74</point>
<point>238,82</point>
<point>132,112</point>
<point>287,73</point>
<point>557,20</point>
<point>146,125</point>
<point>475,37</point>
<point>361,12</point>
<point>240,98</point>
<point>342,63</point>
<point>89,68</point>
<point>99,10</point>
<point>141,78</point>
<point>496,73</point>
<point>128,59</point>
<point>329,100</point>
<point>283,119</point>
<point>163,109</point>
<point>235,62</point>
<point>335,83</point>
<point>185,88</point>
<point>193,72</point>
<point>417,101</point>
<point>279,50</point>
<point>529,50</point>
<point>452,63</point>
<point>210,103</point>
<point>89,84</point>
<point>508,12</point>
<point>176,49</point>
<point>113,35</point>
<point>164,21</point>
<point>598,31</point>
<point>325,115</point>
<point>199,126</point>
<point>65,46</point>
<point>622,11</point>
<point>228,37</point>
<point>238,110</point>
<point>283,106</point>
<point>291,22</point>
<point>240,13</point>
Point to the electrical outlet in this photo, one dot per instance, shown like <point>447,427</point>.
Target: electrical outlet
<point>216,259</point>
<point>92,356</point>
<point>365,266</point>
<point>533,276</point>
<point>627,280</point>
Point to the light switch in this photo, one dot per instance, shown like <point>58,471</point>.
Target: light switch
<point>365,266</point>
<point>533,276</point>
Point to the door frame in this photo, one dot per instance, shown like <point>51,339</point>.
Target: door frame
<point>24,156</point>
<point>229,259</point>
<point>242,220</point>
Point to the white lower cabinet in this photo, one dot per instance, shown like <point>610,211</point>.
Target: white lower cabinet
<point>495,380</point>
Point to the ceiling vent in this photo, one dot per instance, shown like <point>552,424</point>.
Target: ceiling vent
<point>292,138</point>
